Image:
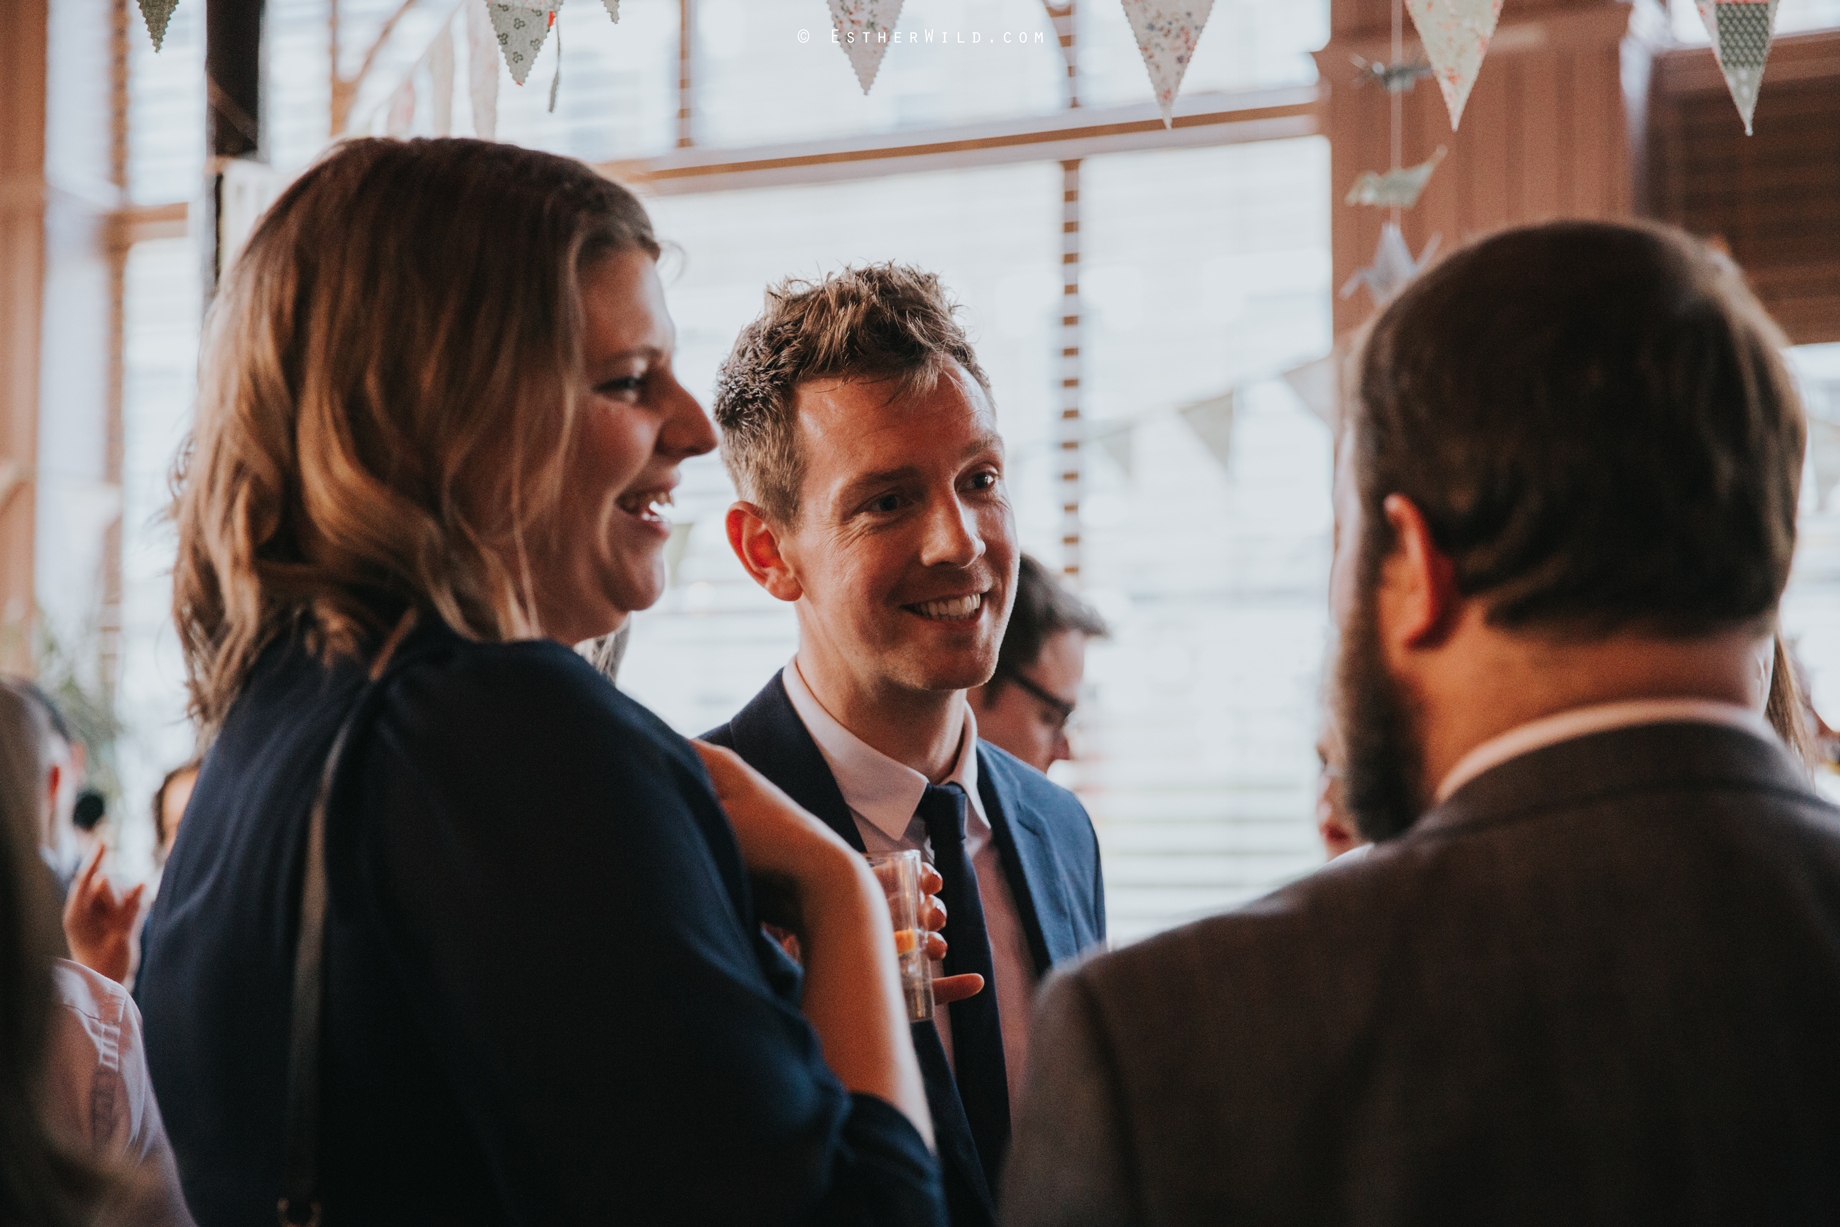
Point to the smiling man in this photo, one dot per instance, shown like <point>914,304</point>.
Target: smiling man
<point>859,430</point>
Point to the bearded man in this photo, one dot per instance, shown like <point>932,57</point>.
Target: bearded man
<point>1590,972</point>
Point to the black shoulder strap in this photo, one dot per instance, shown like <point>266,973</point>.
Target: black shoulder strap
<point>300,1204</point>
<point>300,1201</point>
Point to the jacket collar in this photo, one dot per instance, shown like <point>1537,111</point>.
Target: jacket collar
<point>1675,756</point>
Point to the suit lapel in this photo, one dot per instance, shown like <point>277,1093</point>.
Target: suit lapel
<point>1028,863</point>
<point>770,736</point>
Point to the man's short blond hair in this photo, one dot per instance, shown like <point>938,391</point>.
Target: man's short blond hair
<point>887,322</point>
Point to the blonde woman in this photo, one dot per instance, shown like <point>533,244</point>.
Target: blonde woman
<point>436,415</point>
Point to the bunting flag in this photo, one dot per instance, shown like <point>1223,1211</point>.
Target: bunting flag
<point>1212,422</point>
<point>1120,443</point>
<point>1318,385</point>
<point>1456,35</point>
<point>482,70</point>
<point>157,13</point>
<point>1396,189</point>
<point>1741,31</point>
<point>863,27</point>
<point>1393,266</point>
<point>1167,31</point>
<point>521,30</point>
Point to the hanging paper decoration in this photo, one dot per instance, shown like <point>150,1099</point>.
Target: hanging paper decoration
<point>864,27</point>
<point>1120,443</point>
<point>441,80</point>
<point>1396,189</point>
<point>401,115</point>
<point>482,70</point>
<point>1393,266</point>
<point>1318,385</point>
<point>157,13</point>
<point>1212,422</point>
<point>613,10</point>
<point>1167,31</point>
<point>521,31</point>
<point>1741,31</point>
<point>1456,35</point>
<point>1393,78</point>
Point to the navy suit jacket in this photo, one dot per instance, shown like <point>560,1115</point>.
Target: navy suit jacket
<point>1049,852</point>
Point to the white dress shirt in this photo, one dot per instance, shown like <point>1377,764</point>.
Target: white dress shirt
<point>882,795</point>
<point>99,1096</point>
<point>1598,718</point>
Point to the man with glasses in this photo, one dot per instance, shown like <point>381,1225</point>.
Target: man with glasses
<point>1028,703</point>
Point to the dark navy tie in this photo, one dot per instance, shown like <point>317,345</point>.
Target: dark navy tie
<point>977,1030</point>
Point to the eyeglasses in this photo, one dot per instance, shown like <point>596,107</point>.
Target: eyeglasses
<point>1059,706</point>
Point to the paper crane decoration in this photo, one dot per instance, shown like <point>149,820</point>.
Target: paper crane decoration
<point>157,13</point>
<point>1167,31</point>
<point>613,10</point>
<point>864,27</point>
<point>1456,35</point>
<point>1393,78</point>
<point>1393,266</point>
<point>1396,189</point>
<point>1741,33</point>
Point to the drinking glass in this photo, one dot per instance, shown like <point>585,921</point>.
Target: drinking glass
<point>899,874</point>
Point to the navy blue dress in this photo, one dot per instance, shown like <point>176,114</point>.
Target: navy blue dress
<point>548,997</point>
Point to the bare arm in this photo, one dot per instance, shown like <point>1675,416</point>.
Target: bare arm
<point>810,881</point>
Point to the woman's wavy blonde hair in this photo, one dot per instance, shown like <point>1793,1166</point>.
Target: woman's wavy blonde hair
<point>387,398</point>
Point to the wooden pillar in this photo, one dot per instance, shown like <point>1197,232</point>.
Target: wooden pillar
<point>234,128</point>
<point>1070,428</point>
<point>115,439</point>
<point>23,68</point>
<point>1553,127</point>
<point>686,75</point>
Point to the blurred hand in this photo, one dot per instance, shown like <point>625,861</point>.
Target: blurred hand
<point>99,921</point>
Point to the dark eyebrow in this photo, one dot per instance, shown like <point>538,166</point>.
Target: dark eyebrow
<point>863,484</point>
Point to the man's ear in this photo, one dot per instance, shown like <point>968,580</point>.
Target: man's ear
<point>1418,584</point>
<point>757,546</point>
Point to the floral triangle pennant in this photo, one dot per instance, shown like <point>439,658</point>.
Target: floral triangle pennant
<point>1167,31</point>
<point>1456,35</point>
<point>521,31</point>
<point>1741,31</point>
<point>864,28</point>
<point>157,13</point>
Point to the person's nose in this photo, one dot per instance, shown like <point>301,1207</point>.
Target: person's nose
<point>952,535</point>
<point>687,429</point>
<point>1063,748</point>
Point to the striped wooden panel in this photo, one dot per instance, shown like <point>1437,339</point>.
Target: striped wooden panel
<point>1772,198</point>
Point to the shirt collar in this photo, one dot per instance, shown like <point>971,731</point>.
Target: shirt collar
<point>883,792</point>
<point>1597,718</point>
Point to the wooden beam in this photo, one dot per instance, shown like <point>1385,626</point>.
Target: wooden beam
<point>23,66</point>
<point>1201,120</point>
<point>235,126</point>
